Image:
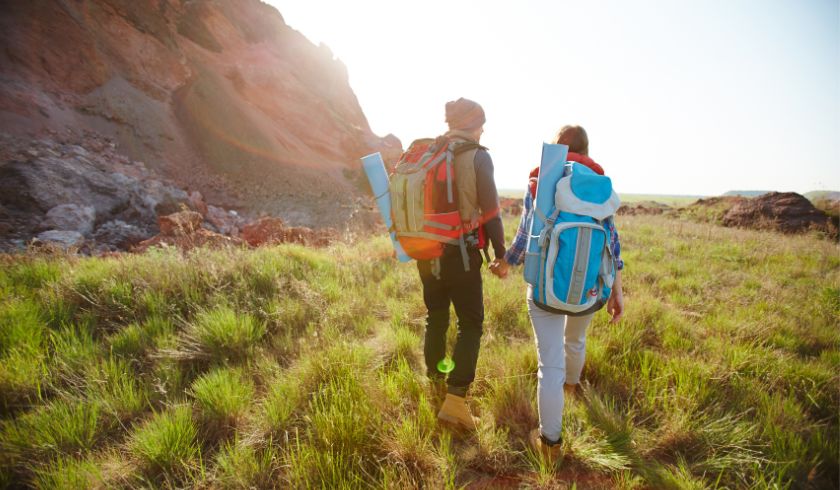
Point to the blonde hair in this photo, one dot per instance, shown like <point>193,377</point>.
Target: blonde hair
<point>575,137</point>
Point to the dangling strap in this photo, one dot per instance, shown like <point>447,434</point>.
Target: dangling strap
<point>486,252</point>
<point>435,263</point>
<point>464,256</point>
<point>606,265</point>
<point>608,262</point>
<point>539,214</point>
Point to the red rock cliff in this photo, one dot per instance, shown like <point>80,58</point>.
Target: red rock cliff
<point>221,96</point>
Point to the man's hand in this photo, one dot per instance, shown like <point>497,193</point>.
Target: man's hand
<point>615,305</point>
<point>499,268</point>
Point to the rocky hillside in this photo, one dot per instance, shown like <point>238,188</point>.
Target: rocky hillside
<point>221,97</point>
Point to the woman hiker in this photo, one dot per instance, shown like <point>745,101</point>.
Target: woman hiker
<point>560,339</point>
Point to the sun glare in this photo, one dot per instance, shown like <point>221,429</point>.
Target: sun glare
<point>633,75</point>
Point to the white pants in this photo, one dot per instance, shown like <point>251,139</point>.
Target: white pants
<point>561,350</point>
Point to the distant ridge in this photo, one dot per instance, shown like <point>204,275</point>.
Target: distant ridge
<point>746,193</point>
<point>811,196</point>
<point>669,199</point>
<point>830,195</point>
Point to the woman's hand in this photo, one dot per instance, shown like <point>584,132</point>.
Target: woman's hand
<point>500,268</point>
<point>615,305</point>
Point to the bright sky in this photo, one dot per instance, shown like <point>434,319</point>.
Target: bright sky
<point>678,97</point>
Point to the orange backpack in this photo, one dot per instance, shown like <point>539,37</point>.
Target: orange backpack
<point>424,198</point>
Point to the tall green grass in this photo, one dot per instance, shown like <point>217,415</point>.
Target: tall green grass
<point>222,397</point>
<point>221,335</point>
<point>167,444</point>
<point>289,367</point>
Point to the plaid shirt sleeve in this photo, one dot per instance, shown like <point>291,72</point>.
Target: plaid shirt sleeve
<point>516,253</point>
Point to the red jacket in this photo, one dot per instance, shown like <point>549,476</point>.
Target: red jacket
<point>572,157</point>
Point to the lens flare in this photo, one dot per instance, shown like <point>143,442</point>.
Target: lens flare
<point>446,365</point>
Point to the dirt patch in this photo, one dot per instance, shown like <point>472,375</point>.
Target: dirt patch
<point>510,205</point>
<point>186,230</point>
<point>273,230</point>
<point>183,231</point>
<point>200,238</point>
<point>787,212</point>
<point>180,224</point>
<point>642,207</point>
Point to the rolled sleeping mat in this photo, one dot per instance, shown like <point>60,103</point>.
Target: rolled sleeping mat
<point>552,165</point>
<point>378,179</point>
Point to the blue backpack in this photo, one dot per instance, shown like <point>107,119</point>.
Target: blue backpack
<point>576,264</point>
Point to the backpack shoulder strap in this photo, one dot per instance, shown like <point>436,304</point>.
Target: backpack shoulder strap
<point>461,147</point>
<point>422,141</point>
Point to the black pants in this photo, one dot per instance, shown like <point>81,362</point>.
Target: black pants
<point>462,289</point>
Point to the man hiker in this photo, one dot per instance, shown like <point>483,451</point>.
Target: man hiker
<point>455,277</point>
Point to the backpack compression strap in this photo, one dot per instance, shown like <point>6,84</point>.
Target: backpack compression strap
<point>458,148</point>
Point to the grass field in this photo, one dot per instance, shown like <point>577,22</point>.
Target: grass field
<point>290,367</point>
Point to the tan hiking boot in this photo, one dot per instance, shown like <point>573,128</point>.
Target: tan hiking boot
<point>455,412</point>
<point>571,391</point>
<point>550,454</point>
